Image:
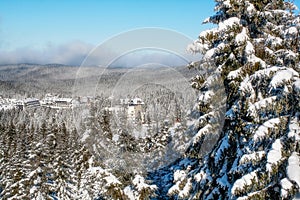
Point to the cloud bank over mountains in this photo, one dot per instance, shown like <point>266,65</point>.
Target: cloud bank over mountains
<point>74,53</point>
<point>71,53</point>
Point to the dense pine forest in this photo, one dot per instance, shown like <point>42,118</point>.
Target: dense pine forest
<point>239,139</point>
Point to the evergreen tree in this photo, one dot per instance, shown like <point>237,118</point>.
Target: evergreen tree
<point>64,175</point>
<point>254,51</point>
<point>141,189</point>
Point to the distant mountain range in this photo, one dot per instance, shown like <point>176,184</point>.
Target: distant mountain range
<point>31,79</point>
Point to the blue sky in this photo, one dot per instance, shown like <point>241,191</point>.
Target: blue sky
<point>36,23</point>
<point>49,26</point>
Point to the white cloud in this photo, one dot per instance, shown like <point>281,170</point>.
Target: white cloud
<point>74,53</point>
<point>71,53</point>
<point>143,57</point>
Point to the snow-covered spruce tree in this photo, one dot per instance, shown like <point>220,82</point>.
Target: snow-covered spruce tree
<point>255,51</point>
<point>140,189</point>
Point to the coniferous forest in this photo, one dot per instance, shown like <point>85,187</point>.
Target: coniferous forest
<point>239,139</point>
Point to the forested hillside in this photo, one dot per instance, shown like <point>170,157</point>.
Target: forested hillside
<point>88,150</point>
<point>241,139</point>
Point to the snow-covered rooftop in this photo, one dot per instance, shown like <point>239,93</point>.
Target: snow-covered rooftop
<point>136,101</point>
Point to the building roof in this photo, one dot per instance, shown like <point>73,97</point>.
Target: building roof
<point>69,100</point>
<point>136,101</point>
<point>30,100</point>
